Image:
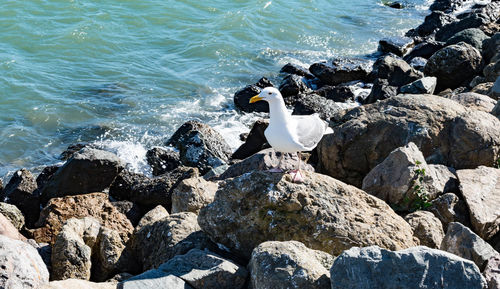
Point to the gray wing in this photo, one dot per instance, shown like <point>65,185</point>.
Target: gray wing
<point>309,129</point>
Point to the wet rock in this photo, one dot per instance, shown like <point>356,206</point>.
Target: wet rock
<point>481,190</point>
<point>162,160</point>
<point>395,5</point>
<point>472,36</point>
<point>381,90</point>
<point>473,20</point>
<point>306,104</point>
<point>340,93</point>
<point>21,192</point>
<point>265,160</point>
<point>433,22</point>
<point>129,209</point>
<point>447,6</point>
<point>454,65</point>
<point>425,85</point>
<point>21,267</point>
<point>154,279</point>
<point>7,229</point>
<point>294,69</point>
<point>397,71</point>
<point>426,227</point>
<point>418,63</point>
<point>45,175</point>
<point>362,268</point>
<point>158,242</point>
<point>200,146</point>
<point>59,210</point>
<point>242,97</point>
<point>425,49</point>
<point>89,170</point>
<point>289,265</point>
<point>397,45</point>
<point>13,214</point>
<point>340,70</point>
<point>152,216</point>
<point>292,85</point>
<point>255,141</point>
<point>193,194</point>
<point>79,284</point>
<point>492,273</point>
<point>474,100</point>
<point>443,130</point>
<point>71,150</point>
<point>461,241</point>
<point>258,206</point>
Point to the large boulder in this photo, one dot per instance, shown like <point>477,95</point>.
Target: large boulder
<point>481,190</point>
<point>341,70</point>
<point>162,160</point>
<point>454,65</point>
<point>423,50</point>
<point>13,214</point>
<point>156,214</point>
<point>434,21</point>
<point>461,241</point>
<point>472,36</point>
<point>292,85</point>
<point>22,192</point>
<point>323,213</point>
<point>449,208</point>
<point>425,85</point>
<point>200,146</point>
<point>397,71</point>
<point>373,267</point>
<point>427,228</point>
<point>242,97</point>
<point>306,104</point>
<point>396,45</point>
<point>444,131</point>
<point>193,194</point>
<point>22,266</point>
<point>474,100</point>
<point>87,171</point>
<point>295,69</point>
<point>289,264</point>
<point>97,205</point>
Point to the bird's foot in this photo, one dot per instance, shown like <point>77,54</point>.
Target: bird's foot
<point>296,176</point>
<point>275,170</point>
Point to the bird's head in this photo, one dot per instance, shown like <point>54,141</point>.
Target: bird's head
<point>268,94</point>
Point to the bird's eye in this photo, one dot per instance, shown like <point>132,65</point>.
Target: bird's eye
<point>270,93</point>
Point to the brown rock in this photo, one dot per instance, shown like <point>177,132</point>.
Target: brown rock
<point>152,216</point>
<point>426,228</point>
<point>449,208</point>
<point>193,194</point>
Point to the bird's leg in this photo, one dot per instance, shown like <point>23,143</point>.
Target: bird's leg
<point>277,169</point>
<point>296,174</point>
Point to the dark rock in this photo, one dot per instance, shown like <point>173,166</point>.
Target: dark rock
<point>434,21</point>
<point>71,150</point>
<point>306,104</point>
<point>397,71</point>
<point>242,97</point>
<point>454,65</point>
<point>425,85</point>
<point>340,70</point>
<point>381,90</point>
<point>495,94</point>
<point>418,63</point>
<point>490,47</point>
<point>397,45</point>
<point>129,209</point>
<point>363,268</point>
<point>472,21</point>
<point>294,69</point>
<point>395,5</point>
<point>21,192</point>
<point>492,71</point>
<point>340,93</point>
<point>255,142</point>
<point>472,36</point>
<point>482,88</point>
<point>292,85</point>
<point>447,6</point>
<point>449,208</point>
<point>45,175</point>
<point>89,170</point>
<point>200,146</point>
<point>425,49</point>
<point>162,160</point>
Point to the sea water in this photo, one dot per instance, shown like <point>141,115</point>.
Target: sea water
<point>125,74</point>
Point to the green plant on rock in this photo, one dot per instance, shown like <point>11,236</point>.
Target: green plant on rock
<point>421,201</point>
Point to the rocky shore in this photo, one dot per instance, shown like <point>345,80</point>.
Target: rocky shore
<point>404,194</point>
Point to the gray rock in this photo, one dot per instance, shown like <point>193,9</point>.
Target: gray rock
<point>492,273</point>
<point>447,5</point>
<point>129,209</point>
<point>107,255</point>
<point>376,268</point>
<point>193,194</point>
<point>492,71</point>
<point>200,146</point>
<point>312,103</point>
<point>481,190</point>
<point>496,110</point>
<point>474,100</point>
<point>292,85</point>
<point>12,213</point>
<point>472,36</point>
<point>396,45</point>
<point>21,191</point>
<point>156,214</point>
<point>294,69</point>
<point>204,269</point>
<point>339,93</point>
<point>482,88</point>
<point>397,71</point>
<point>495,91</point>
<point>381,90</point>
<point>434,21</point>
<point>418,63</point>
<point>154,279</point>
<point>454,65</point>
<point>163,160</point>
<point>89,170</point>
<point>427,228</point>
<point>425,85</point>
<point>21,267</point>
<point>490,47</point>
<point>424,50</point>
<point>341,70</point>
<point>289,265</point>
<point>461,241</point>
<point>449,208</point>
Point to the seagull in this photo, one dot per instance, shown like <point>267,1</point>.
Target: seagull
<point>288,133</point>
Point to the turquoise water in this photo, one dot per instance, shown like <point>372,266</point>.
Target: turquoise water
<point>126,73</point>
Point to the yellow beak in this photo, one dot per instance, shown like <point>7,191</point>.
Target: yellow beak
<point>255,99</point>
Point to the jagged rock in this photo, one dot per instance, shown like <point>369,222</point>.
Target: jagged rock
<point>427,228</point>
<point>396,45</point>
<point>107,256</point>
<point>89,170</point>
<point>204,269</point>
<point>193,194</point>
<point>292,85</point>
<point>449,208</point>
<point>454,65</point>
<point>71,150</point>
<point>472,36</point>
<point>397,71</point>
<point>461,241</point>
<point>129,209</point>
<point>21,267</point>
<point>492,273</point>
<point>364,268</point>
<point>306,104</point>
<point>433,22</point>
<point>341,70</point>
<point>21,192</point>
<point>492,71</point>
<point>443,130</point>
<point>482,88</point>
<point>79,284</point>
<point>289,264</point>
<point>154,279</point>
<point>259,206</point>
<point>294,69</point>
<point>446,5</point>
<point>242,97</point>
<point>13,214</point>
<point>45,175</point>
<point>200,146</point>
<point>162,160</point>
<point>381,90</point>
<point>59,210</point>
<point>340,93</point>
<point>152,216</point>
<point>481,190</point>
<point>158,242</point>
<point>474,100</point>
<point>425,85</point>
<point>255,141</point>
<point>418,63</point>
<point>425,50</point>
<point>8,230</point>
<point>265,160</point>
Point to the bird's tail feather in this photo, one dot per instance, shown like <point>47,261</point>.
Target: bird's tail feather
<point>328,130</point>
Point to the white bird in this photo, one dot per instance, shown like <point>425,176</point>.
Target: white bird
<point>288,133</point>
